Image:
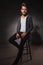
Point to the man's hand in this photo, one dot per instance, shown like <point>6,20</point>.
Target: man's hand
<point>17,35</point>
<point>23,34</point>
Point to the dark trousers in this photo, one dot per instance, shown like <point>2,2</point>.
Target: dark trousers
<point>12,40</point>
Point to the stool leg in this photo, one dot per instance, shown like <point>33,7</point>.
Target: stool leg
<point>29,50</point>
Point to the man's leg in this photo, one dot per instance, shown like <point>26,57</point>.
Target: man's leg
<point>20,50</point>
<point>12,40</point>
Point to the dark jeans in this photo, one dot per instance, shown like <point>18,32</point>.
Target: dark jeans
<point>12,40</point>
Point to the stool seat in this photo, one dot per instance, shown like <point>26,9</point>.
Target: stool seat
<point>26,52</point>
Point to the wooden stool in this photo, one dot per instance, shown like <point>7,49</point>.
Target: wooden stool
<point>27,53</point>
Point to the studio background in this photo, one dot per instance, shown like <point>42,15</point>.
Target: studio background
<point>9,13</point>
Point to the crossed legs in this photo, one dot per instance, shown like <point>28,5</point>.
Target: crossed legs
<point>12,40</point>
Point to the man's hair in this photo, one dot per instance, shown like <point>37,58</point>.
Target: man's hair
<point>23,4</point>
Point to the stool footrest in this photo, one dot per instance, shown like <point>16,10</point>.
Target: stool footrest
<point>26,61</point>
<point>26,53</point>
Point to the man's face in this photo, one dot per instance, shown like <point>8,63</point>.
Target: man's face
<point>24,10</point>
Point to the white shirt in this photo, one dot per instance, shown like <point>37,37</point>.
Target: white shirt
<point>23,24</point>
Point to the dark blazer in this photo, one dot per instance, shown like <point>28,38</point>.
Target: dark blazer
<point>29,24</point>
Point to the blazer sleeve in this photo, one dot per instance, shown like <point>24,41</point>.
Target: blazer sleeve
<point>31,25</point>
<point>18,25</point>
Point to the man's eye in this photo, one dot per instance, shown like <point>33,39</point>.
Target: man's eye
<point>23,9</point>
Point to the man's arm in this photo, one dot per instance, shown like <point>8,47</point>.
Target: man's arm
<point>31,25</point>
<point>18,29</point>
<point>18,26</point>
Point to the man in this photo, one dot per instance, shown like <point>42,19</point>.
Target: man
<point>24,28</point>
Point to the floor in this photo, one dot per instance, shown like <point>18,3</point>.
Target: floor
<point>8,53</point>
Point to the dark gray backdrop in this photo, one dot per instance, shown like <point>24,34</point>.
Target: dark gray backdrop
<point>9,13</point>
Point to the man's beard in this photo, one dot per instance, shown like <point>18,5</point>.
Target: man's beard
<point>24,14</point>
